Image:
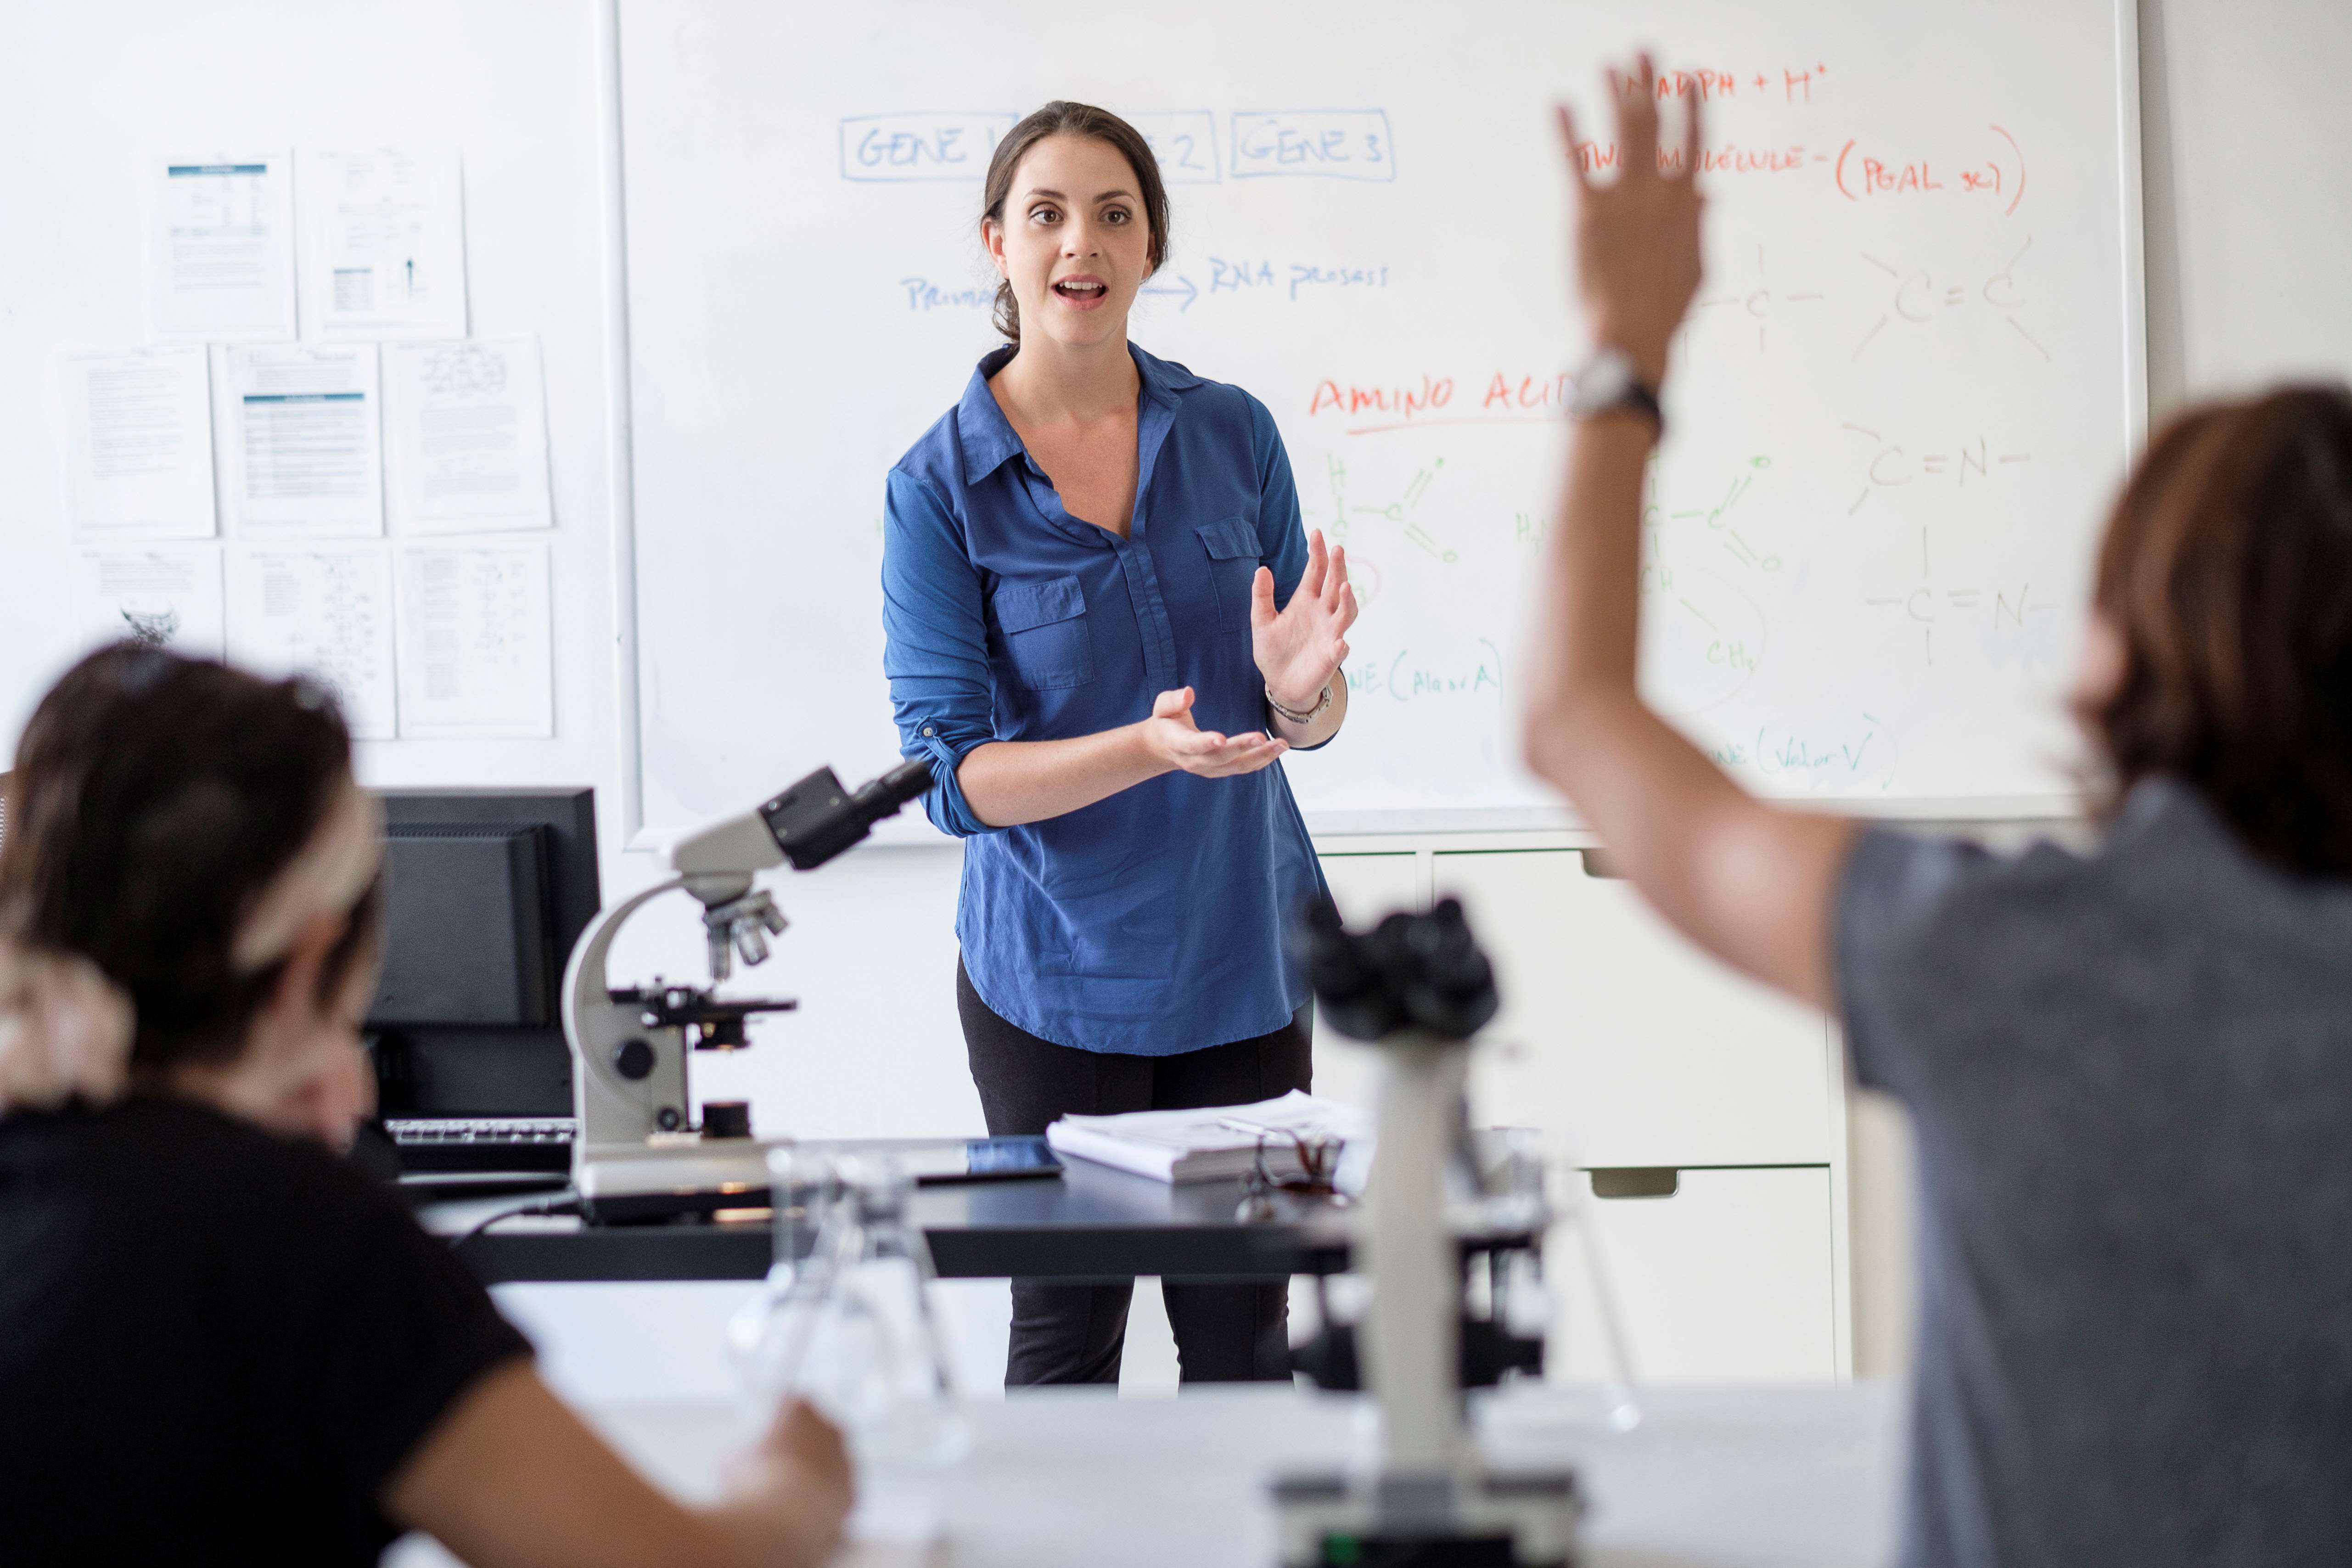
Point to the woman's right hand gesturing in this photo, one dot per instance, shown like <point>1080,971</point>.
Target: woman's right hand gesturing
<point>1171,735</point>
<point>1008,783</point>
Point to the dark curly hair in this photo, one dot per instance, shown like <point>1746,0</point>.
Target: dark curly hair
<point>154,797</point>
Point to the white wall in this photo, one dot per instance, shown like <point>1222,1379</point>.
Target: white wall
<point>2243,110</point>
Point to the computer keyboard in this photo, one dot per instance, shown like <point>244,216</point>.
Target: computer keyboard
<point>483,1142</point>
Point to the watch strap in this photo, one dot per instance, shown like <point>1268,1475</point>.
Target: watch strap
<point>1631,393</point>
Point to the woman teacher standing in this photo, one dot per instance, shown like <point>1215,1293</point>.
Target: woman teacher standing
<point>1105,626</point>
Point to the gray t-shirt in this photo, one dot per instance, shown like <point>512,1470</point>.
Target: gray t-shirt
<point>2130,1074</point>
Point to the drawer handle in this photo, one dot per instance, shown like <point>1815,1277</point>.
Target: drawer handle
<point>1635,1181</point>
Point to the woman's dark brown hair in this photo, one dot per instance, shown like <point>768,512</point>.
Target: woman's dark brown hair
<point>1060,118</point>
<point>2227,574</point>
<point>153,798</point>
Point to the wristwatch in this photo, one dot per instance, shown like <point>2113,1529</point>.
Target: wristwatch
<point>1295,715</point>
<point>1611,383</point>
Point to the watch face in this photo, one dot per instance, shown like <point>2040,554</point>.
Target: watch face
<point>1604,382</point>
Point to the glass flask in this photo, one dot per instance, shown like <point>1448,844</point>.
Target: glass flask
<point>846,1324</point>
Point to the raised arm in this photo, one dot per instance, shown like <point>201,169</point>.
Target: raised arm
<point>1750,883</point>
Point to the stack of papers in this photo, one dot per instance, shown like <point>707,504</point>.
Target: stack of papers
<point>1214,1143</point>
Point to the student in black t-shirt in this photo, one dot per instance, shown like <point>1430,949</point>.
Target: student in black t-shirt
<point>218,1342</point>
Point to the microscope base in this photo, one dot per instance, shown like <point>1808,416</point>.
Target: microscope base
<point>624,1183</point>
<point>1525,1518</point>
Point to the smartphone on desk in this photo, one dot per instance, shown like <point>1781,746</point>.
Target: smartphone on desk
<point>983,1160</point>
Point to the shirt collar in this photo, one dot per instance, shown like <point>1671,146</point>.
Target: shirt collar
<point>988,438</point>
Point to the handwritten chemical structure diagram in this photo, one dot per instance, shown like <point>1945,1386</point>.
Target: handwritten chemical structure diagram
<point>1914,296</point>
<point>1926,606</point>
<point>1702,638</point>
<point>1402,512</point>
<point>1893,465</point>
<point>1760,305</point>
<point>1717,517</point>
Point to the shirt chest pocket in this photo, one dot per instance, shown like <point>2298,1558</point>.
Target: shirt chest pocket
<point>1233,553</point>
<point>1043,624</point>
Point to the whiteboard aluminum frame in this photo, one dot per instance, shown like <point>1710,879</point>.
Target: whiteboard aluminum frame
<point>621,496</point>
<point>620,467</point>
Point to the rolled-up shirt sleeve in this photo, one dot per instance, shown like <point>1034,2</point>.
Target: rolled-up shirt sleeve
<point>935,645</point>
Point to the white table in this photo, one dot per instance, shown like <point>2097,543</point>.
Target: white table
<point>1711,1479</point>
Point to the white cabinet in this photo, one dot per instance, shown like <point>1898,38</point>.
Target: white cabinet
<point>1623,1041</point>
<point>1730,1279</point>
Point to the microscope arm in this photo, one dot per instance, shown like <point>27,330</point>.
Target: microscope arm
<point>628,1065</point>
<point>612,1107</point>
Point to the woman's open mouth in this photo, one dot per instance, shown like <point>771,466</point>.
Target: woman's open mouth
<point>1081,293</point>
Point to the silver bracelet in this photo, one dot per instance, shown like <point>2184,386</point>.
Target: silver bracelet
<point>1295,715</point>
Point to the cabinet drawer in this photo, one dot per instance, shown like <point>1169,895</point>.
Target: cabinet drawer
<point>1631,1047</point>
<point>1726,1280</point>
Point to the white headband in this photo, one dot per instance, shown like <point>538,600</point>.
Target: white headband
<point>66,1029</point>
<point>327,877</point>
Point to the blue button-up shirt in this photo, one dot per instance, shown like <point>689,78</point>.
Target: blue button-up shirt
<point>1149,922</point>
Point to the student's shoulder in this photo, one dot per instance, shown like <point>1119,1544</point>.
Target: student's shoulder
<point>170,1162</point>
<point>1909,891</point>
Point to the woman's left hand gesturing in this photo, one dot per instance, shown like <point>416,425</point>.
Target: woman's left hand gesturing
<point>1302,647</point>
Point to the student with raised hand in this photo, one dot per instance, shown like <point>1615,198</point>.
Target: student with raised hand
<point>219,1342</point>
<point>2130,1069</point>
<point>1103,627</point>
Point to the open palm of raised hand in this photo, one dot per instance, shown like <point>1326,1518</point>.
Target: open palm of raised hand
<point>1637,239</point>
<point>1300,646</point>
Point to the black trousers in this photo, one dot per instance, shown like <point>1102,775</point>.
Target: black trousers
<point>1075,1333</point>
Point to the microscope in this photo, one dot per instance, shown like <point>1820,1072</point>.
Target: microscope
<point>635,1156</point>
<point>1417,989</point>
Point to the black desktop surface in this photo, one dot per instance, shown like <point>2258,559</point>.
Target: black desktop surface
<point>1094,1224</point>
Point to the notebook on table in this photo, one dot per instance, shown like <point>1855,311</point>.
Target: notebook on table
<point>1214,1142</point>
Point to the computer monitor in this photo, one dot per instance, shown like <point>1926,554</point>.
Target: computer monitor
<point>485,891</point>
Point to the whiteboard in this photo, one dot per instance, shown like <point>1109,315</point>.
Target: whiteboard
<point>1911,380</point>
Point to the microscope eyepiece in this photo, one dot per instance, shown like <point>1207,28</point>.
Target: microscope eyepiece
<point>817,818</point>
